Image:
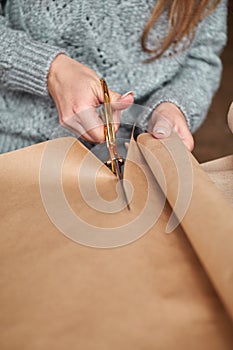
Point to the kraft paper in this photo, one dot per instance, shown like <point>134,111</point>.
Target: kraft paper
<point>221,173</point>
<point>160,291</point>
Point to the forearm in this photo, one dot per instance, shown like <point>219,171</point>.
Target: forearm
<point>24,62</point>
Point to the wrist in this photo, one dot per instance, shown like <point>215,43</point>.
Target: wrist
<point>56,66</point>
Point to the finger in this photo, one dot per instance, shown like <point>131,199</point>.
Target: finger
<point>160,127</point>
<point>119,103</point>
<point>163,129</point>
<point>116,119</point>
<point>122,102</point>
<point>92,124</point>
<point>67,120</point>
<point>88,124</point>
<point>73,125</point>
<point>186,137</point>
<point>127,145</point>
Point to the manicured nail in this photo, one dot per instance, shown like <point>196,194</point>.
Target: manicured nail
<point>126,145</point>
<point>160,131</point>
<point>127,94</point>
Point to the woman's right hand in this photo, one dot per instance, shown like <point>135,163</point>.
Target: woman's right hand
<point>76,91</point>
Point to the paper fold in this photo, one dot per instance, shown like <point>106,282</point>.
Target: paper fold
<point>208,222</point>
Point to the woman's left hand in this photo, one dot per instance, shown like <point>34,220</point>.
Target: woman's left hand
<point>167,117</point>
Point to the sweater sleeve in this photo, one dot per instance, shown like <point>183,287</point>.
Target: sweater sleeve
<point>192,89</point>
<point>24,62</point>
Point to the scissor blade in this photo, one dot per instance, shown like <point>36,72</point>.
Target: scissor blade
<point>120,178</point>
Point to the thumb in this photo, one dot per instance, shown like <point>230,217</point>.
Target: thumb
<point>120,102</point>
<point>160,127</point>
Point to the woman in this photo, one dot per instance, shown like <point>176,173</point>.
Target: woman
<point>54,52</point>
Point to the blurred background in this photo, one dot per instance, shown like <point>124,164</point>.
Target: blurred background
<point>214,139</point>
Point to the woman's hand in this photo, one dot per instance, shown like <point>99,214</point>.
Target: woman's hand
<point>167,117</point>
<point>76,91</point>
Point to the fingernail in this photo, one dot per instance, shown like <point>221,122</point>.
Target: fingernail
<point>127,94</point>
<point>126,145</point>
<point>160,131</point>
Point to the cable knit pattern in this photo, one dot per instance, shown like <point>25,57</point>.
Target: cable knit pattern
<point>105,35</point>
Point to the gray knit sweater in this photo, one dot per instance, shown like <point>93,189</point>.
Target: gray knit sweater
<point>33,32</point>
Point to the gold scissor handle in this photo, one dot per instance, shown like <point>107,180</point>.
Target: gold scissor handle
<point>109,130</point>
<point>116,161</point>
<point>108,118</point>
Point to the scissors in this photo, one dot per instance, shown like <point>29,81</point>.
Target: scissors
<point>115,162</point>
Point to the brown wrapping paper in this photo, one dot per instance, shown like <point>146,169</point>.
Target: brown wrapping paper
<point>153,293</point>
<point>221,173</point>
<point>208,222</point>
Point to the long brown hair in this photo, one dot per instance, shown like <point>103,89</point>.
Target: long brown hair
<point>184,15</point>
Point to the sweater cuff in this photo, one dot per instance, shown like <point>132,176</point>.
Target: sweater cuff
<point>145,117</point>
<point>30,66</point>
